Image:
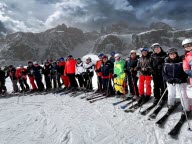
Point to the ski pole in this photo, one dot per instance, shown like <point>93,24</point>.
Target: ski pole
<point>182,99</point>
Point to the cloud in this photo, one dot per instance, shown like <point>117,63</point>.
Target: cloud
<point>38,15</point>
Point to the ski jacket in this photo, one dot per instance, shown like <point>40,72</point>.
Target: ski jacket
<point>88,67</point>
<point>173,69</point>
<point>130,65</point>
<point>29,70</point>
<point>47,69</point>
<point>98,67</point>
<point>112,59</point>
<point>107,70</point>
<point>70,67</point>
<point>157,62</point>
<point>21,73</point>
<point>11,73</point>
<point>144,65</point>
<point>37,71</point>
<point>119,67</point>
<point>61,67</point>
<point>54,70</point>
<point>79,69</point>
<point>187,64</point>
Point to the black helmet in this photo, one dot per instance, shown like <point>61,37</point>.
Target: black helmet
<point>171,50</point>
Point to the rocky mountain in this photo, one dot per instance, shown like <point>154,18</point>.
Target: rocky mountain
<point>51,44</point>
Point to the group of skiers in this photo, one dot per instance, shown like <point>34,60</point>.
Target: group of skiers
<point>168,70</point>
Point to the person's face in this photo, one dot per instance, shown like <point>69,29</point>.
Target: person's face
<point>30,64</point>
<point>133,55</point>
<point>157,49</point>
<point>100,57</point>
<point>88,61</point>
<point>105,60</point>
<point>188,47</point>
<point>144,53</point>
<point>172,55</point>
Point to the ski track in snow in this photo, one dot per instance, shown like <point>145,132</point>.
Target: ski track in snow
<point>55,119</point>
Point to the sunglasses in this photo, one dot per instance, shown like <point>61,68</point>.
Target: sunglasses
<point>187,45</point>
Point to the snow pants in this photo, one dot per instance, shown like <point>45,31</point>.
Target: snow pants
<point>65,80</point>
<point>132,81</point>
<point>23,84</point>
<point>2,86</point>
<point>48,82</point>
<point>32,81</point>
<point>178,90</point>
<point>118,85</point>
<point>80,80</point>
<point>107,87</point>
<point>73,82</point>
<point>99,83</point>
<point>145,80</point>
<point>39,83</point>
<point>15,86</point>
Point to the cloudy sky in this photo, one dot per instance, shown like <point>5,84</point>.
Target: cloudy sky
<point>39,15</point>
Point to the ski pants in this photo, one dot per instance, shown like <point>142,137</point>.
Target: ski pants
<point>58,80</point>
<point>178,90</point>
<point>72,80</point>
<point>145,80</point>
<point>2,86</point>
<point>32,81</point>
<point>15,86</point>
<point>48,81</point>
<point>99,83</point>
<point>159,87</point>
<point>132,81</point>
<point>88,80</point>
<point>80,80</point>
<point>118,85</point>
<point>54,79</point>
<point>40,85</point>
<point>107,87</point>
<point>65,80</point>
<point>23,84</point>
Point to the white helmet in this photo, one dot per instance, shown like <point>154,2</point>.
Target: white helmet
<point>186,41</point>
<point>35,62</point>
<point>155,44</point>
<point>133,51</point>
<point>117,55</point>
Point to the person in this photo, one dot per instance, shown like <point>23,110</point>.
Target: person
<point>21,74</point>
<point>187,62</point>
<point>131,63</point>
<point>79,73</point>
<point>99,74</point>
<point>47,75</point>
<point>119,74</point>
<point>69,71</point>
<point>37,71</point>
<point>112,58</point>
<point>107,70</point>
<point>3,88</point>
<point>176,79</point>
<point>11,73</point>
<point>88,74</point>
<point>30,76</point>
<point>53,72</point>
<point>159,88</point>
<point>144,66</point>
<point>59,71</point>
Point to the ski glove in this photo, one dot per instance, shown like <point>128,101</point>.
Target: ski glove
<point>170,81</point>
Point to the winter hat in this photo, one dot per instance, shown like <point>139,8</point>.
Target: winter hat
<point>100,55</point>
<point>61,59</point>
<point>144,49</point>
<point>112,53</point>
<point>11,66</point>
<point>70,56</point>
<point>133,51</point>
<point>29,62</point>
<point>117,55</point>
<point>88,58</point>
<point>172,50</point>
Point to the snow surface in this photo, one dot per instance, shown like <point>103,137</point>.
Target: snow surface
<point>55,119</point>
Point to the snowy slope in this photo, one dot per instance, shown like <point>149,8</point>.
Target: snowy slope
<point>55,119</point>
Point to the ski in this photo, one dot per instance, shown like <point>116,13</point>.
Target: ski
<point>156,111</point>
<point>99,98</point>
<point>176,129</point>
<point>147,110</point>
<point>94,97</point>
<point>127,104</point>
<point>116,103</point>
<point>163,119</point>
<point>66,92</point>
<point>134,107</point>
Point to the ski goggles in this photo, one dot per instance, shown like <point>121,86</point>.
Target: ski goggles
<point>187,45</point>
<point>144,49</point>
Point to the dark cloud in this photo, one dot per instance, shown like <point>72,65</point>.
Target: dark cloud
<point>38,15</point>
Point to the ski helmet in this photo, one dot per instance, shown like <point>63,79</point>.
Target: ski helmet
<point>133,51</point>
<point>186,41</point>
<point>30,62</point>
<point>35,63</point>
<point>171,50</point>
<point>117,55</point>
<point>88,59</point>
<point>100,55</point>
<point>144,49</point>
<point>155,45</point>
<point>61,59</point>
<point>112,53</point>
